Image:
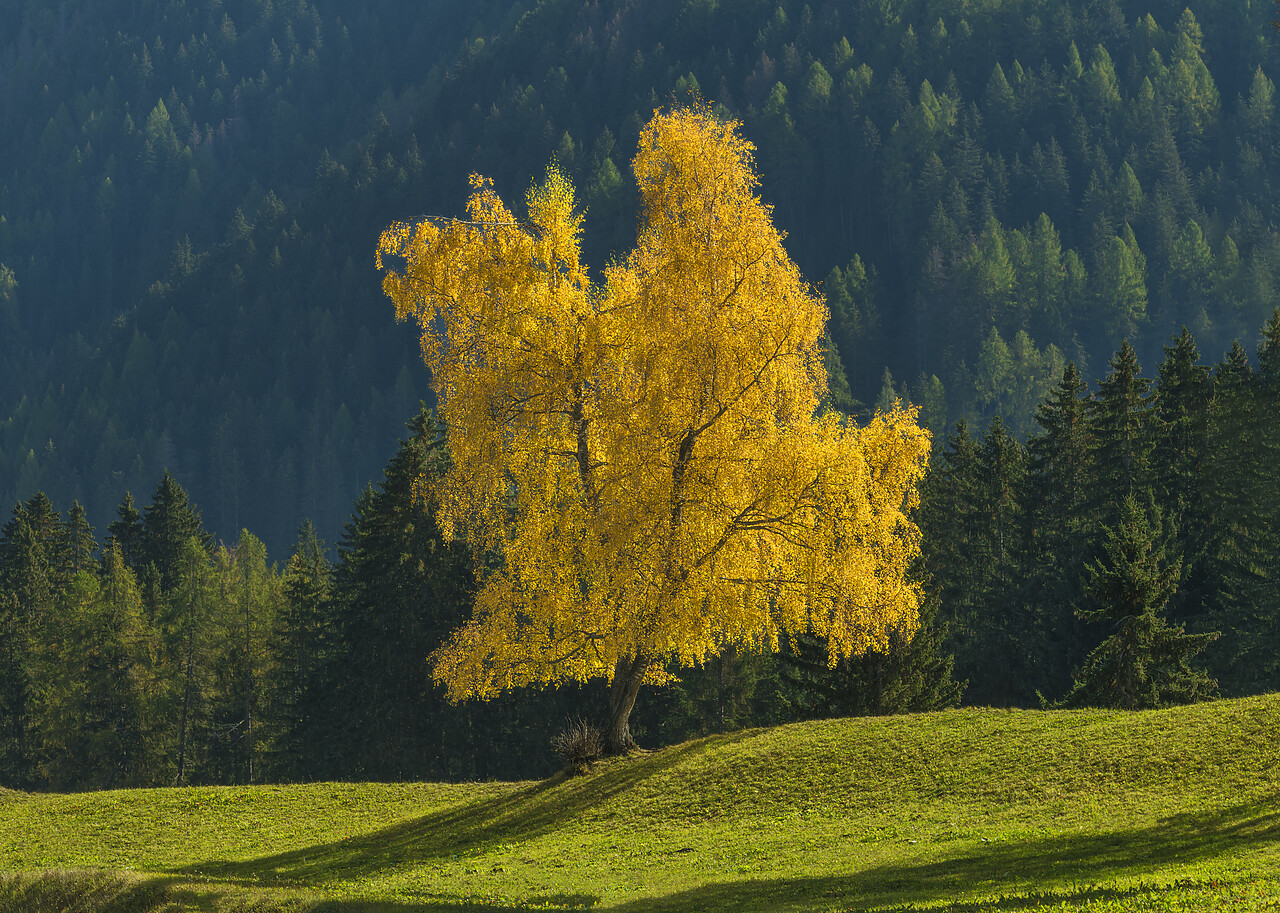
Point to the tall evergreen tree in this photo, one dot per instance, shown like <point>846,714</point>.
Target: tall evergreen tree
<point>168,525</point>
<point>1058,529</point>
<point>126,532</point>
<point>96,712</point>
<point>1145,661</point>
<point>296,653</point>
<point>242,622</point>
<point>81,545</point>
<point>29,592</point>
<point>1122,435</point>
<point>1002,629</point>
<point>970,520</point>
<point>949,523</point>
<point>1179,464</point>
<point>1242,538</point>
<point>186,632</point>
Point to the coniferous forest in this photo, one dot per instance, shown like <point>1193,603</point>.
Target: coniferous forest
<point>1048,224</point>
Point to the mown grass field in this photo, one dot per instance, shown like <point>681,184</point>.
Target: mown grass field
<point>967,810</point>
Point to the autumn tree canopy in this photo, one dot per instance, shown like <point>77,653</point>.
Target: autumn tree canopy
<point>646,453</point>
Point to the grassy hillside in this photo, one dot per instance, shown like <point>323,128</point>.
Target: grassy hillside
<point>968,810</point>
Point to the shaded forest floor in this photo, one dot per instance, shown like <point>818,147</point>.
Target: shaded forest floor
<point>964,810</point>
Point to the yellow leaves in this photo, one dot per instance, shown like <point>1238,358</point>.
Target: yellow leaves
<point>645,455</point>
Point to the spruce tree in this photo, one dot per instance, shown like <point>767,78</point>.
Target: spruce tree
<point>1179,464</point>
<point>29,593</point>
<point>1002,628</point>
<point>1057,541</point>
<point>971,527</point>
<point>948,523</point>
<point>1122,435</point>
<point>1145,661</point>
<point>1243,540</point>
<point>398,590</point>
<point>913,675</point>
<point>81,545</point>
<point>296,652</point>
<point>168,524</point>
<point>126,531</point>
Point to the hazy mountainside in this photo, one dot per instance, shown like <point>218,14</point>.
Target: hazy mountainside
<point>162,161</point>
<point>188,214</point>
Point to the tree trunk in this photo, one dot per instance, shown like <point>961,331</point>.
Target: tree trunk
<point>628,675</point>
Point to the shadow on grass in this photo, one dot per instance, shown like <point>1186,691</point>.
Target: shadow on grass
<point>101,891</point>
<point>1059,864</point>
<point>1039,873</point>
<point>462,830</point>
<point>1045,871</point>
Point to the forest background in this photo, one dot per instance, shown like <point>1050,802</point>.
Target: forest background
<point>190,198</point>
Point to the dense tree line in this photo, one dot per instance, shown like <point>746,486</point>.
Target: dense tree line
<point>166,657</point>
<point>986,192</point>
<point>1126,554</point>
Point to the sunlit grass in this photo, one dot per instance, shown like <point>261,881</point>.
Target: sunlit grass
<point>970,810</point>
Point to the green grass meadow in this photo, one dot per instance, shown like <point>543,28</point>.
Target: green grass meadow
<point>967,810</point>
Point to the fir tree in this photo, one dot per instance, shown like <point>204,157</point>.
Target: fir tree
<point>81,546</point>
<point>1121,431</point>
<point>1179,463</point>
<point>1058,528</point>
<point>126,532</point>
<point>913,675</point>
<point>296,650</point>
<point>1145,661</point>
<point>1243,541</point>
<point>29,590</point>
<point>168,525</point>
<point>970,520</point>
<point>398,591</point>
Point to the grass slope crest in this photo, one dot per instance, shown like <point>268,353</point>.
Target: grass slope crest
<point>966,810</point>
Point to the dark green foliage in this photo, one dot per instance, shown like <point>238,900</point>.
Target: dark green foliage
<point>913,675</point>
<point>372,710</point>
<point>730,691</point>
<point>1145,661</point>
<point>400,590</point>
<point>971,518</point>
<point>126,532</point>
<point>1180,466</point>
<point>296,647</point>
<point>1057,540</point>
<point>1181,446</point>
<point>1243,537</point>
<point>169,523</point>
<point>1198,450</point>
<point>30,586</point>
<point>1121,435</point>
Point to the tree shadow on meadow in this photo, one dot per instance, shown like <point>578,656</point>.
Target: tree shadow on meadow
<point>1045,871</point>
<point>463,829</point>
<point>105,891</point>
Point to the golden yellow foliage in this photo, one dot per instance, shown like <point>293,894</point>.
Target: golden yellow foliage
<point>646,454</point>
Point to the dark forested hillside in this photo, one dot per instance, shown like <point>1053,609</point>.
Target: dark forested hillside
<point>192,191</point>
<point>161,302</point>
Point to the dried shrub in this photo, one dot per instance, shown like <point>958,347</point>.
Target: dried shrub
<point>578,744</point>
